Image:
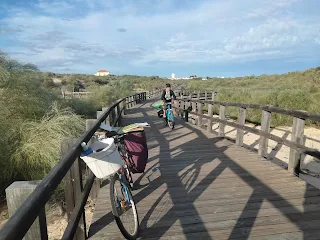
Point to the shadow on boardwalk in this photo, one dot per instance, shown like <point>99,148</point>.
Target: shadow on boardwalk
<point>199,186</point>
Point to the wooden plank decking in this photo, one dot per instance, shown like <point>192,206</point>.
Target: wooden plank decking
<point>199,186</point>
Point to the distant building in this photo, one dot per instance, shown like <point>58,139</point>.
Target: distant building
<point>173,76</point>
<point>102,73</point>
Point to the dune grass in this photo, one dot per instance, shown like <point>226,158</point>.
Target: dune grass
<point>296,90</point>
<point>39,147</point>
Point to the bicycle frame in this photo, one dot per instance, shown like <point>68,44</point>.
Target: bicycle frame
<point>169,113</point>
<point>125,186</point>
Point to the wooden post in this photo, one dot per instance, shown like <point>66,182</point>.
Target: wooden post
<point>115,116</point>
<point>99,113</point>
<point>178,109</point>
<point>210,114</point>
<point>183,107</point>
<point>212,96</point>
<point>241,120</point>
<point>96,185</point>
<point>135,99</point>
<point>119,114</point>
<point>125,105</point>
<point>265,127</point>
<point>205,95</point>
<point>73,188</point>
<point>16,194</point>
<point>200,114</point>
<point>106,121</point>
<point>297,136</point>
<point>111,117</point>
<point>128,102</point>
<point>222,116</point>
<point>194,109</point>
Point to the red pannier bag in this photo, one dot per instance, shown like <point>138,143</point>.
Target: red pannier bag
<point>137,148</point>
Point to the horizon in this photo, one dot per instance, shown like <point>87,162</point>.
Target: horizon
<point>147,38</point>
<point>179,77</point>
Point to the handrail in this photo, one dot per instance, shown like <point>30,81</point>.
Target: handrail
<point>268,108</point>
<point>20,222</point>
<point>296,145</point>
<point>310,151</point>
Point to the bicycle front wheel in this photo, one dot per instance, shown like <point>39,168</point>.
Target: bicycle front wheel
<point>171,121</point>
<point>124,208</point>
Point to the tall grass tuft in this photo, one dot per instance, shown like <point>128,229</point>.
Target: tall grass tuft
<point>39,147</point>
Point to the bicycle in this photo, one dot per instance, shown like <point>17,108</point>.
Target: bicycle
<point>129,165</point>
<point>121,198</point>
<point>169,120</point>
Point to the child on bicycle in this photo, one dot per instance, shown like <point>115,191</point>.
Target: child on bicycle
<point>167,96</point>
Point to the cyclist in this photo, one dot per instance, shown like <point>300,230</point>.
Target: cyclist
<point>167,96</point>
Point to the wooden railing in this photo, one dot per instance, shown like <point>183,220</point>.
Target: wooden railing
<point>69,169</point>
<point>198,95</point>
<point>297,146</point>
<point>154,93</point>
<point>71,95</point>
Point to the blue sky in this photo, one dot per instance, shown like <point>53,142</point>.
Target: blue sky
<point>149,37</point>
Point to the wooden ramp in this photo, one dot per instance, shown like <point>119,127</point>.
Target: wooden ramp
<point>199,186</point>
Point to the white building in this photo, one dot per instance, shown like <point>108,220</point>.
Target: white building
<point>173,76</point>
<point>102,73</point>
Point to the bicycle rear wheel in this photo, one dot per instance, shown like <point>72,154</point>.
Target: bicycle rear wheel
<point>124,208</point>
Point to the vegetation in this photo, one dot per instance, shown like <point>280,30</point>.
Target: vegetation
<point>293,90</point>
<point>31,115</point>
<point>35,118</point>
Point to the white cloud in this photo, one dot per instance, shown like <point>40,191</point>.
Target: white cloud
<point>54,7</point>
<point>274,38</point>
<point>272,34</point>
<point>269,8</point>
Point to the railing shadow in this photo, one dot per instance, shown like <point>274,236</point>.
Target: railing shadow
<point>178,175</point>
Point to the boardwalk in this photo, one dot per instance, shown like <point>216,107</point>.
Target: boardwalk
<point>199,186</point>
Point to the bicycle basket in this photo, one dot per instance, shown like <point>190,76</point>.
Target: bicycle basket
<point>106,161</point>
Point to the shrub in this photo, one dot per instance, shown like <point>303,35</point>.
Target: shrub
<point>39,147</point>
